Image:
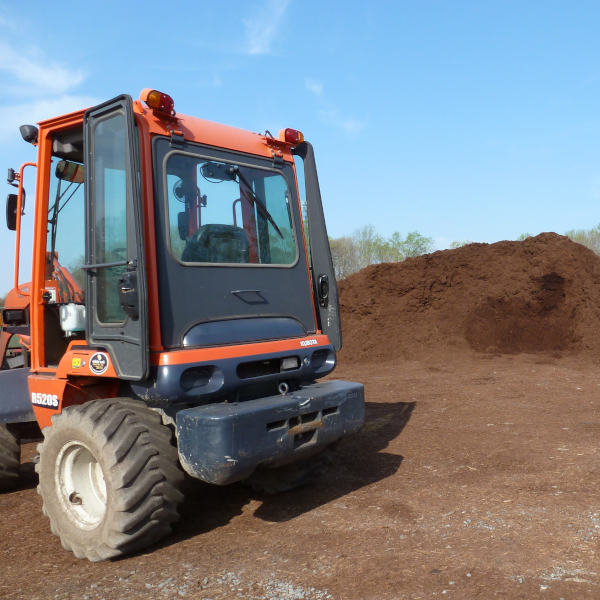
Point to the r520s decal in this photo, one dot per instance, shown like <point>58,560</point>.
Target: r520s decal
<point>46,400</point>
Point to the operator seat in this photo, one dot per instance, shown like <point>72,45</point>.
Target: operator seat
<point>216,243</point>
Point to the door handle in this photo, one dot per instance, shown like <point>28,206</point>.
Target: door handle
<point>323,290</point>
<point>128,294</point>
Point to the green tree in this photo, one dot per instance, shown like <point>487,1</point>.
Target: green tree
<point>416,244</point>
<point>586,237</point>
<point>523,237</point>
<point>366,247</point>
<point>344,255</point>
<point>369,246</point>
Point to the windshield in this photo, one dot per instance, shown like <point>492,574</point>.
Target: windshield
<point>223,212</point>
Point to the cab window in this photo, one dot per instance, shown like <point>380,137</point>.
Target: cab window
<point>228,213</point>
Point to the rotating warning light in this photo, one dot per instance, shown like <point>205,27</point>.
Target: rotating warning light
<point>291,136</point>
<point>158,102</point>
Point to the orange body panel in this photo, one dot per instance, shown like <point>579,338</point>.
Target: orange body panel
<point>52,394</point>
<point>214,134</point>
<point>50,391</point>
<point>179,357</point>
<point>79,362</point>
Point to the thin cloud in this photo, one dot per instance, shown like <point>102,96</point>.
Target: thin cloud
<point>33,74</point>
<point>263,28</point>
<point>329,113</point>
<point>39,88</point>
<point>38,110</point>
<point>314,86</point>
<point>348,125</point>
<point>352,125</point>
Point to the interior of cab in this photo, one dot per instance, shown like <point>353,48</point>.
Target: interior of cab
<point>65,243</point>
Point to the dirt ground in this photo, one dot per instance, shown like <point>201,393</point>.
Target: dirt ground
<point>476,476</point>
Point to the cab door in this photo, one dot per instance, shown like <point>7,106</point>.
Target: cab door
<point>321,264</point>
<point>116,305</point>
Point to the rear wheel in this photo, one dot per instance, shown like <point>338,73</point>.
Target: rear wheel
<point>9,459</point>
<point>109,478</point>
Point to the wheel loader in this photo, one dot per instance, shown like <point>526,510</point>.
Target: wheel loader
<point>181,308</point>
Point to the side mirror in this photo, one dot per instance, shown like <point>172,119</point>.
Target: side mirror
<point>218,171</point>
<point>29,133</point>
<point>11,211</point>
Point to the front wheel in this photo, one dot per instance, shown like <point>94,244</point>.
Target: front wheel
<point>109,478</point>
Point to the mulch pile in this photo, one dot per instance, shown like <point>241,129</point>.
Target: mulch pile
<point>539,295</point>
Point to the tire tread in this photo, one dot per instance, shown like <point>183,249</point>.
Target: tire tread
<point>10,463</point>
<point>141,463</point>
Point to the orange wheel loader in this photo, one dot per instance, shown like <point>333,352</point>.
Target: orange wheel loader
<point>181,308</point>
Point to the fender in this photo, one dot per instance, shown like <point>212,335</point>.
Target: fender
<point>15,406</point>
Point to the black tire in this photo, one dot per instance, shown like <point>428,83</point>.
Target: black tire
<point>10,455</point>
<point>109,478</point>
<point>289,477</point>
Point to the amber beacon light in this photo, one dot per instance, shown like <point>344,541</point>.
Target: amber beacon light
<point>158,101</point>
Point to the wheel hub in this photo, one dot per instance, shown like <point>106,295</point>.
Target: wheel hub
<point>80,485</point>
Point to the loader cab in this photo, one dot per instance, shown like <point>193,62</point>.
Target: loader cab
<point>157,239</point>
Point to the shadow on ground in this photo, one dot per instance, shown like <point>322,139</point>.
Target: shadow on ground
<point>28,478</point>
<point>358,461</point>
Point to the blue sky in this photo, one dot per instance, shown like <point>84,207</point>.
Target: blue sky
<point>462,120</point>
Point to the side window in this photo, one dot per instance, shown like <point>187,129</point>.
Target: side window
<point>66,220</point>
<point>110,214</point>
<point>299,164</point>
<point>281,243</point>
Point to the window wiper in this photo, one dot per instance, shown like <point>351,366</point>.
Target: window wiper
<point>235,170</point>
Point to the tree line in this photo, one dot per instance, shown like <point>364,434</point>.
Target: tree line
<point>366,247</point>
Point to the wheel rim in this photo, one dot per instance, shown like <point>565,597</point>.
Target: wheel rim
<point>80,485</point>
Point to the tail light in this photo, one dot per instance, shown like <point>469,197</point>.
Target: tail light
<point>291,136</point>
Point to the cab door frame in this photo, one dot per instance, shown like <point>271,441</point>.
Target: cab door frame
<point>126,341</point>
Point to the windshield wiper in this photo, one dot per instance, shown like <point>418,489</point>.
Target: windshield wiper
<point>235,170</point>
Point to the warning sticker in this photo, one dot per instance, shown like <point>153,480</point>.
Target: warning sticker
<point>99,363</point>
